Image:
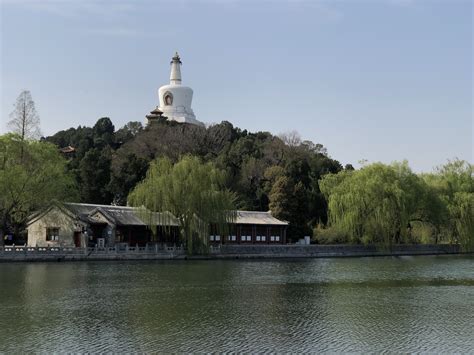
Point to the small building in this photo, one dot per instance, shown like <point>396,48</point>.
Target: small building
<point>68,151</point>
<point>82,225</point>
<point>86,225</point>
<point>252,227</point>
<point>154,115</point>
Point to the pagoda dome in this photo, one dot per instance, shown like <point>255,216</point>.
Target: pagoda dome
<point>175,98</point>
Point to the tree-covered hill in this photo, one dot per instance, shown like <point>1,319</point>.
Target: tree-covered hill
<point>265,171</point>
<point>379,203</point>
<point>295,179</point>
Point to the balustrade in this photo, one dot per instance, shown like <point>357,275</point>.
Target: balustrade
<point>68,250</point>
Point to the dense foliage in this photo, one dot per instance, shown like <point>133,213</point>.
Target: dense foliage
<point>264,171</point>
<point>32,173</point>
<point>454,184</point>
<point>194,171</point>
<point>389,204</point>
<point>295,179</point>
<point>193,192</point>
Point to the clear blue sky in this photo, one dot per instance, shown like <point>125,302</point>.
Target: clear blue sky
<point>378,80</point>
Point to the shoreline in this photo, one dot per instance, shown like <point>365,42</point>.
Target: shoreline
<point>224,252</point>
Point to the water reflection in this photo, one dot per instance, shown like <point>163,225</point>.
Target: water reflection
<point>421,304</point>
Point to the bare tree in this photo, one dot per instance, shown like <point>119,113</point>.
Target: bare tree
<point>24,118</point>
<point>291,139</point>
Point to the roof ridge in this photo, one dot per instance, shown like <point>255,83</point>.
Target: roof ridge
<point>252,211</point>
<point>98,205</point>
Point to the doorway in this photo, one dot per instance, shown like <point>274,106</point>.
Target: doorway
<point>77,239</point>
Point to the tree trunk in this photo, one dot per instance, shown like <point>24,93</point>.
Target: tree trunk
<point>189,241</point>
<point>3,230</point>
<point>188,237</point>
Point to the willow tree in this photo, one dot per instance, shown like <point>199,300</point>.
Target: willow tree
<point>454,183</point>
<point>377,203</point>
<point>192,191</point>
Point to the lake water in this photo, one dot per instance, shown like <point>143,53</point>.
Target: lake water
<point>404,304</point>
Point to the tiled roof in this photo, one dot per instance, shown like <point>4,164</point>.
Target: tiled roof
<point>255,217</point>
<point>67,149</point>
<point>132,216</point>
<point>121,215</point>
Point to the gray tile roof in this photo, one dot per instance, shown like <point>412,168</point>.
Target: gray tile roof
<point>121,215</point>
<point>255,217</point>
<point>131,216</point>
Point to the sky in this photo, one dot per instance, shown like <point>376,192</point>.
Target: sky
<point>383,80</point>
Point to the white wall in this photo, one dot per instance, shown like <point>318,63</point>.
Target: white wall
<point>54,218</point>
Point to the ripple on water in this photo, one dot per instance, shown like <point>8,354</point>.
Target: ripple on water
<point>334,305</point>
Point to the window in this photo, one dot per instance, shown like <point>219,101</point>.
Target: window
<point>249,238</point>
<point>242,238</point>
<point>234,238</point>
<point>218,238</point>
<point>277,238</point>
<point>211,238</point>
<point>263,238</point>
<point>258,238</point>
<point>272,238</point>
<point>52,234</point>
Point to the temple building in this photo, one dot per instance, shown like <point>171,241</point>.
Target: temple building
<point>175,99</point>
<point>88,225</point>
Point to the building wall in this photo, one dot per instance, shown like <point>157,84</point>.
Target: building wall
<point>108,231</point>
<point>314,250</point>
<point>251,234</point>
<point>54,218</point>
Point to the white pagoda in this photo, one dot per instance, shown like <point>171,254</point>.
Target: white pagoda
<point>175,99</point>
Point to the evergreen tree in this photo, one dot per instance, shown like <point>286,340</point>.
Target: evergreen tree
<point>126,176</point>
<point>95,176</point>
<point>281,194</point>
<point>103,132</point>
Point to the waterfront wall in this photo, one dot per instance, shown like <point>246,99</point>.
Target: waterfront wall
<point>322,251</point>
<point>25,253</point>
<point>155,252</point>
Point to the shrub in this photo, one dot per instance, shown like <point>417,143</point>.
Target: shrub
<point>329,235</point>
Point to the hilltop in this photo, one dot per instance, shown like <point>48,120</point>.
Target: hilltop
<point>262,168</point>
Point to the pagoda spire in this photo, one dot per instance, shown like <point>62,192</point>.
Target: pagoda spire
<point>175,76</point>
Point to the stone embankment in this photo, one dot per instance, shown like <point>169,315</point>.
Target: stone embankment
<point>327,251</point>
<point>22,253</point>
